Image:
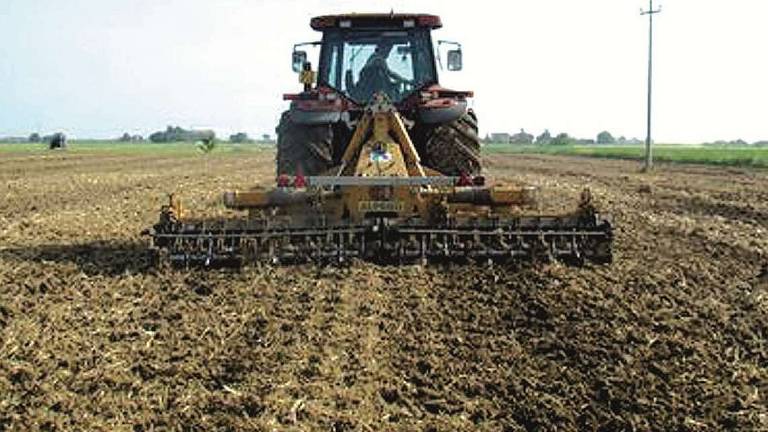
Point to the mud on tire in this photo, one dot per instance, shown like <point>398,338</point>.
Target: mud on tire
<point>454,147</point>
<point>305,148</point>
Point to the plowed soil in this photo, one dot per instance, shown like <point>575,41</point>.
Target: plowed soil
<point>671,337</point>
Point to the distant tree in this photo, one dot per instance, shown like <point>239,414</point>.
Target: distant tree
<point>177,134</point>
<point>605,137</point>
<point>35,138</point>
<point>545,138</point>
<point>760,144</point>
<point>126,137</point>
<point>157,137</point>
<point>266,137</point>
<point>562,139</point>
<point>240,138</point>
<point>738,143</point>
<point>723,143</point>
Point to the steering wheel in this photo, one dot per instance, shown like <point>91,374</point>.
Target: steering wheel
<point>399,82</point>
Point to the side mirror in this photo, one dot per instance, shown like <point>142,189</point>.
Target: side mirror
<point>298,59</point>
<point>455,60</point>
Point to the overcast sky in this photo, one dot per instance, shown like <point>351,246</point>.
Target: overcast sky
<point>97,68</point>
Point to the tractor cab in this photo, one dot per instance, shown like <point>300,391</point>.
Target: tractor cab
<point>361,55</point>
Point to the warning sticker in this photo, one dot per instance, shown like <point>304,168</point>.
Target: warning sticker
<point>381,156</point>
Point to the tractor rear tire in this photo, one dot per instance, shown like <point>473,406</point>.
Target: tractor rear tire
<point>454,148</point>
<point>305,149</point>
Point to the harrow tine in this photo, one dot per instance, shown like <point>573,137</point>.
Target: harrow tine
<point>513,240</point>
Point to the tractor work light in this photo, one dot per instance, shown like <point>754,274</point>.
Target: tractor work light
<point>349,21</point>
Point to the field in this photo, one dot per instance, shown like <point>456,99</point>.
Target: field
<point>721,156</point>
<point>672,336</point>
<point>91,147</point>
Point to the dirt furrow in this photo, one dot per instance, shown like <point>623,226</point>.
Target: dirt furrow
<point>671,336</point>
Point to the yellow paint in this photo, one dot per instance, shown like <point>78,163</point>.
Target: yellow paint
<point>307,77</point>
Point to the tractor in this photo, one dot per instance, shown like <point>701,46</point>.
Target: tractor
<point>360,56</point>
<point>377,162</point>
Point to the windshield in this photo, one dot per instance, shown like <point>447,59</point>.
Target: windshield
<point>360,63</point>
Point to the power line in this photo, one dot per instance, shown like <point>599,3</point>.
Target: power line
<point>648,151</point>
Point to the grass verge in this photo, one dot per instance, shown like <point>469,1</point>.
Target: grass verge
<point>736,156</point>
<point>179,148</point>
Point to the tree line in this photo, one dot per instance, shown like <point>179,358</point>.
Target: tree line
<point>546,138</point>
<point>178,134</point>
<point>604,138</point>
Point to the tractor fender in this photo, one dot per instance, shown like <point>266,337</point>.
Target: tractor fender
<point>318,111</point>
<point>443,110</point>
<point>304,117</point>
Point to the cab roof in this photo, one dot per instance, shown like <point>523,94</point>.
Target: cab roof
<point>388,21</point>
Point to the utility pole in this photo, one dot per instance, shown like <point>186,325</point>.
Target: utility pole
<point>648,151</point>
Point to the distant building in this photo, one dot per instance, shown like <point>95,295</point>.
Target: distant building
<point>522,138</point>
<point>502,138</point>
<point>631,141</point>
